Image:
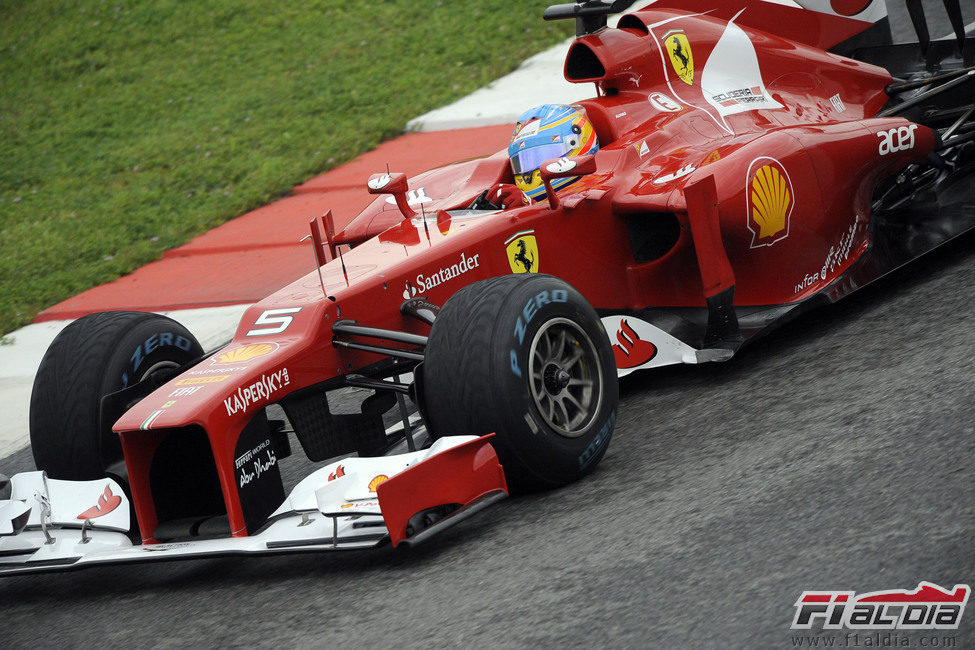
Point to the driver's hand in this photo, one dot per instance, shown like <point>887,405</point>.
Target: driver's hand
<point>508,196</point>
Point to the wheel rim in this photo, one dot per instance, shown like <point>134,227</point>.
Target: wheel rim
<point>565,378</point>
<point>158,366</point>
<point>111,448</point>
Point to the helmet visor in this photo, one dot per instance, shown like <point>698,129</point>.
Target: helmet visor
<point>531,158</point>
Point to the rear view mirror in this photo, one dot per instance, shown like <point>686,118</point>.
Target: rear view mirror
<point>396,185</point>
<point>563,168</point>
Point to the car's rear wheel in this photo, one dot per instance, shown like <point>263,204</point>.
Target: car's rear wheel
<point>92,357</point>
<point>524,357</point>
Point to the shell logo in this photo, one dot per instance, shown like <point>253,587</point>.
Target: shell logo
<point>377,481</point>
<point>769,201</point>
<point>245,353</point>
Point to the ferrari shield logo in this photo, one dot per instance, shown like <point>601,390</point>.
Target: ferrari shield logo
<point>681,57</point>
<point>522,252</point>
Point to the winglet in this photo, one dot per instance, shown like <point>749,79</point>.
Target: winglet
<point>466,475</point>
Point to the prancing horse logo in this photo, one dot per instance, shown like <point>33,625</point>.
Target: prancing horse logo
<point>681,57</point>
<point>523,257</point>
<point>522,252</point>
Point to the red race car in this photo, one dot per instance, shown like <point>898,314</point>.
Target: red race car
<point>741,162</point>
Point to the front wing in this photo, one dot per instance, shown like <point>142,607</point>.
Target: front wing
<point>355,503</point>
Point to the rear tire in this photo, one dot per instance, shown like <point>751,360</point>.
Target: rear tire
<point>92,357</point>
<point>525,357</point>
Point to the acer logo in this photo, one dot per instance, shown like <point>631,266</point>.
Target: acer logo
<point>106,503</point>
<point>899,139</point>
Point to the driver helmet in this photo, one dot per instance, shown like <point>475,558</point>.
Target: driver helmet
<point>543,133</point>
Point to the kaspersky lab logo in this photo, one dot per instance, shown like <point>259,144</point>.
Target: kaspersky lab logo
<point>929,607</point>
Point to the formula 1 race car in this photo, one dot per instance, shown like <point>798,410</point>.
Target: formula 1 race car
<point>755,160</point>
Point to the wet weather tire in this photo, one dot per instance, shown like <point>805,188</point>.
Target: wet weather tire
<point>525,357</point>
<point>92,357</point>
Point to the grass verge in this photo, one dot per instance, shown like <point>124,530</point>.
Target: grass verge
<point>127,128</point>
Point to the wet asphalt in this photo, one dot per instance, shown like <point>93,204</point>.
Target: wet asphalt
<point>835,454</point>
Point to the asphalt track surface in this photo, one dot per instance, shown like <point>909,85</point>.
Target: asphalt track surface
<point>834,454</point>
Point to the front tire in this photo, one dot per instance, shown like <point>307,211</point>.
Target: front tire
<point>92,357</point>
<point>524,357</point>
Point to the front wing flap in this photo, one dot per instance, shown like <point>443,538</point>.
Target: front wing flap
<point>356,503</point>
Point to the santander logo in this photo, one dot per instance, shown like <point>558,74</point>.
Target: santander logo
<point>106,503</point>
<point>630,350</point>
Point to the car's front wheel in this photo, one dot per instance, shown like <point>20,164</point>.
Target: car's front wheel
<point>92,357</point>
<point>524,357</point>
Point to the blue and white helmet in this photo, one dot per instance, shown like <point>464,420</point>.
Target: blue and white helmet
<point>546,132</point>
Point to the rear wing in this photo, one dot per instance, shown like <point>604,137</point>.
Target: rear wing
<point>841,26</point>
<point>875,12</point>
<point>819,23</point>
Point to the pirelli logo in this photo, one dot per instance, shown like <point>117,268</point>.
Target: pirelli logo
<point>196,381</point>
